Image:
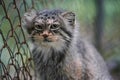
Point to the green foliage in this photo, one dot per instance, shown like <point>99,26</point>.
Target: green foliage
<point>84,9</point>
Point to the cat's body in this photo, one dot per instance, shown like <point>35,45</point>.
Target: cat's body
<point>58,51</point>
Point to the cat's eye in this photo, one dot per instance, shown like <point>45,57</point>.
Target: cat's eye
<point>39,27</point>
<point>54,27</point>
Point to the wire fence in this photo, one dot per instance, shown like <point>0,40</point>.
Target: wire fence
<point>15,59</point>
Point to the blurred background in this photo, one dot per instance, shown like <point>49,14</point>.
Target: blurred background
<point>99,22</point>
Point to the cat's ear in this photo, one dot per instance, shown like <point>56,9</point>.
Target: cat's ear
<point>27,19</point>
<point>70,17</point>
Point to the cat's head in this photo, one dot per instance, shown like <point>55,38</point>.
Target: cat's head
<point>49,28</point>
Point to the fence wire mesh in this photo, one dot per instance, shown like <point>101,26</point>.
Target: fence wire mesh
<point>15,59</point>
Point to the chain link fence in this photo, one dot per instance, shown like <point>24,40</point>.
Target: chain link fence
<point>15,59</point>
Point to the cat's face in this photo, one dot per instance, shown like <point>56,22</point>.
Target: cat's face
<point>49,28</point>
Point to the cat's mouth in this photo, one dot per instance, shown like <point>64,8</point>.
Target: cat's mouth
<point>47,40</point>
<point>41,39</point>
<point>55,41</point>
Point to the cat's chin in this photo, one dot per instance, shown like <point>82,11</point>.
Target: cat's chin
<point>46,44</point>
<point>56,45</point>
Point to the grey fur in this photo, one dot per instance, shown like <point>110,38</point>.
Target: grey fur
<point>69,59</point>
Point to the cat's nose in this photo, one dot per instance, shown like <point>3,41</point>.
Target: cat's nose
<point>45,34</point>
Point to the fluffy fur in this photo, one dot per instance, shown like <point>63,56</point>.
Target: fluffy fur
<point>58,51</point>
